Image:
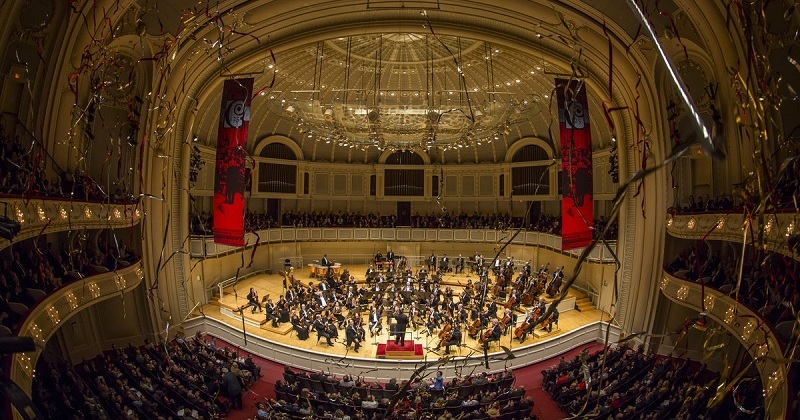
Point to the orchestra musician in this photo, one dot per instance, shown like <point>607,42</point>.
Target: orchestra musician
<point>351,333</point>
<point>375,326</point>
<point>555,285</point>
<point>322,331</point>
<point>527,326</point>
<point>325,262</point>
<point>461,314</point>
<point>432,262</point>
<point>492,334</point>
<point>455,337</point>
<point>300,326</point>
<point>272,313</point>
<point>378,257</point>
<point>252,301</point>
<point>444,264</point>
<point>390,255</point>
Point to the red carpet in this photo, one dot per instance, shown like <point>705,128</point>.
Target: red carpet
<point>529,377</point>
<point>263,388</point>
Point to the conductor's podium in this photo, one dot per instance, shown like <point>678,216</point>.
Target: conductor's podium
<point>390,350</point>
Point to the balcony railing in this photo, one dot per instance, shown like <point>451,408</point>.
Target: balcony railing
<point>204,246</point>
<point>733,227</point>
<point>747,327</point>
<point>51,313</point>
<point>47,215</point>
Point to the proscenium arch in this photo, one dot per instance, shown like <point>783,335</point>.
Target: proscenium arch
<point>633,80</point>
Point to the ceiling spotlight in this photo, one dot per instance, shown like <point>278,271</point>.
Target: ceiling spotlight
<point>329,114</point>
<point>478,114</point>
<point>290,110</point>
<point>195,138</point>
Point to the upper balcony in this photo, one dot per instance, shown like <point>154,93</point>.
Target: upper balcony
<point>747,326</point>
<point>43,215</point>
<point>735,227</point>
<point>44,319</point>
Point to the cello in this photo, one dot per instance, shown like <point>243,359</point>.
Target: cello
<point>445,335</point>
<point>521,329</point>
<point>486,335</point>
<point>473,329</point>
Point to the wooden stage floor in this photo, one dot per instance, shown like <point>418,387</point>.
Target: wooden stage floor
<point>272,285</point>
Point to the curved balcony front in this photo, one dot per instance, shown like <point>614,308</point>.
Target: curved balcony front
<point>735,227</point>
<point>748,327</point>
<point>43,320</point>
<point>41,216</point>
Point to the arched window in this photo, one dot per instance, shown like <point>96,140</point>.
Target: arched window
<point>278,151</point>
<point>404,181</point>
<point>277,177</point>
<point>530,173</point>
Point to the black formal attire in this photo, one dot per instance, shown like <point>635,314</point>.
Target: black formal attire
<point>322,331</point>
<point>496,333</point>
<point>374,323</point>
<point>460,265</point>
<point>400,328</point>
<point>455,340</point>
<point>352,337</point>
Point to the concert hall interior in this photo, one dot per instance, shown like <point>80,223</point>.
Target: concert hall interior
<point>399,208</point>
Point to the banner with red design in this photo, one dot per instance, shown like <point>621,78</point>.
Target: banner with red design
<point>229,180</point>
<point>577,207</point>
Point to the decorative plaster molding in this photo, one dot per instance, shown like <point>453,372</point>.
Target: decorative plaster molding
<point>734,227</point>
<point>49,315</point>
<point>47,216</point>
<point>756,336</point>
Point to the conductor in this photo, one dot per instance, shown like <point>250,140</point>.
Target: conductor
<point>400,327</point>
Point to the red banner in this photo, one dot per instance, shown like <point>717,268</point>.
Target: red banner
<point>229,182</point>
<point>577,207</point>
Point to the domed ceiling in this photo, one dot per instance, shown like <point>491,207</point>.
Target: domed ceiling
<point>350,98</point>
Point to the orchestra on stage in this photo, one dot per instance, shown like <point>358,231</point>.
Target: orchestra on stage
<point>393,293</point>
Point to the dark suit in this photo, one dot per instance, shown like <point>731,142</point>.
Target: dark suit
<point>233,388</point>
<point>496,333</point>
<point>352,337</point>
<point>322,331</point>
<point>400,328</point>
